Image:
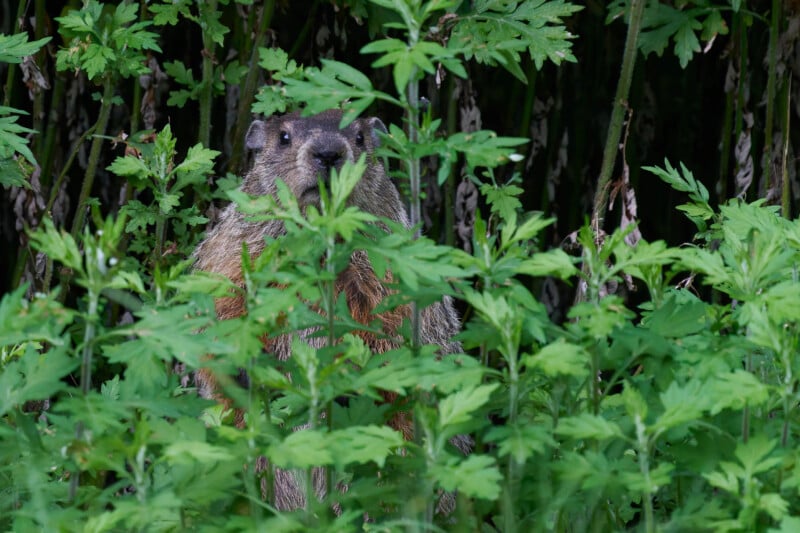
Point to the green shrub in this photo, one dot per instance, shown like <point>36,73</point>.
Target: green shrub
<point>678,413</point>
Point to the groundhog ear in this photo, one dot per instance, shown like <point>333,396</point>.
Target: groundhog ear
<point>256,136</point>
<point>377,126</point>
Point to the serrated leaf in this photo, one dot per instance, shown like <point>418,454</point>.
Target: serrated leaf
<point>749,391</point>
<point>686,43</point>
<point>302,449</point>
<point>588,426</point>
<point>13,48</point>
<point>754,454</point>
<point>363,444</point>
<point>555,262</point>
<point>678,315</point>
<point>129,166</point>
<point>476,476</point>
<point>496,34</point>
<point>34,376</point>
<point>723,480</point>
<point>520,441</point>
<point>457,408</point>
<point>184,452</point>
<point>560,358</point>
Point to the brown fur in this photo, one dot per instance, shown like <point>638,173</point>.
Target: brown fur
<point>315,144</point>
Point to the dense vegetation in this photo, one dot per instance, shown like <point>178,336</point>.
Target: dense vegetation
<point>621,371</point>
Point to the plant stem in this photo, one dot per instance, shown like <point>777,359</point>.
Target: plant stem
<point>413,165</point>
<point>302,36</point>
<point>748,366</point>
<point>40,59</point>
<point>769,179</point>
<point>86,373</point>
<point>248,89</point>
<point>450,184</point>
<point>644,467</point>
<point>786,192</point>
<point>46,154</point>
<point>94,155</point>
<point>331,297</point>
<point>617,114</point>
<point>207,90</point>
<point>512,474</point>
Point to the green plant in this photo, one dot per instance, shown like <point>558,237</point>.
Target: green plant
<point>13,171</point>
<point>665,399</point>
<point>105,44</point>
<point>153,168</point>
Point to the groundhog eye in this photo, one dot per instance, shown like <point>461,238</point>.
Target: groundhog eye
<point>285,138</point>
<point>360,139</point>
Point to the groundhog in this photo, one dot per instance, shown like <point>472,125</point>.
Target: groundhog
<point>299,151</point>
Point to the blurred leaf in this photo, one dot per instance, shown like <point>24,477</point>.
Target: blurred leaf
<point>588,426</point>
<point>475,476</point>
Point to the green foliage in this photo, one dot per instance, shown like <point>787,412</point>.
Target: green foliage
<point>207,16</point>
<point>684,24</point>
<point>13,170</point>
<point>153,168</point>
<point>103,42</point>
<point>495,33</point>
<point>15,47</point>
<point>676,414</point>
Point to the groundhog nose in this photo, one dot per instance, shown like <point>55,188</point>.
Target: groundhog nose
<point>328,159</point>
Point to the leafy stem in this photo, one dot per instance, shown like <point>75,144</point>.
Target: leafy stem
<point>207,89</point>
<point>93,296</point>
<point>617,115</point>
<point>643,455</point>
<point>94,154</point>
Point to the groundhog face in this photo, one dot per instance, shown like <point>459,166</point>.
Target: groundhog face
<point>303,151</point>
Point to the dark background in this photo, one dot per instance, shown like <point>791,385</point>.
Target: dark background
<point>677,113</point>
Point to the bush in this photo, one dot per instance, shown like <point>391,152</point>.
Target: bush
<point>673,410</point>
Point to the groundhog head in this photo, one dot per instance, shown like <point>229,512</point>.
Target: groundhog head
<point>302,150</point>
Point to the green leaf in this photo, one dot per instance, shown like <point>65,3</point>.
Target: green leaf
<point>334,84</point>
<point>103,43</point>
<point>657,478</point>
<point>789,524</point>
<point>682,404</point>
<point>476,476</point>
<point>13,48</point>
<point>749,391</point>
<point>686,43</point>
<point>363,444</point>
<point>168,13</point>
<point>588,426</point>
<point>503,200</point>
<point>755,454</point>
<point>129,166</point>
<point>34,376</point>
<point>520,441</point>
<point>184,452</point>
<point>560,358</point>
<point>457,408</point>
<point>10,141</point>
<point>680,314</point>
<point>58,245</point>
<point>725,480</point>
<point>497,31</point>
<point>302,449</point>
<point>484,148</point>
<point>634,402</point>
<point>555,262</point>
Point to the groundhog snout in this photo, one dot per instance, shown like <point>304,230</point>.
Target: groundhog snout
<point>329,152</point>
<point>327,159</point>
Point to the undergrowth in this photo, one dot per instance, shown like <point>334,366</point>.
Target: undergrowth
<point>677,413</point>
